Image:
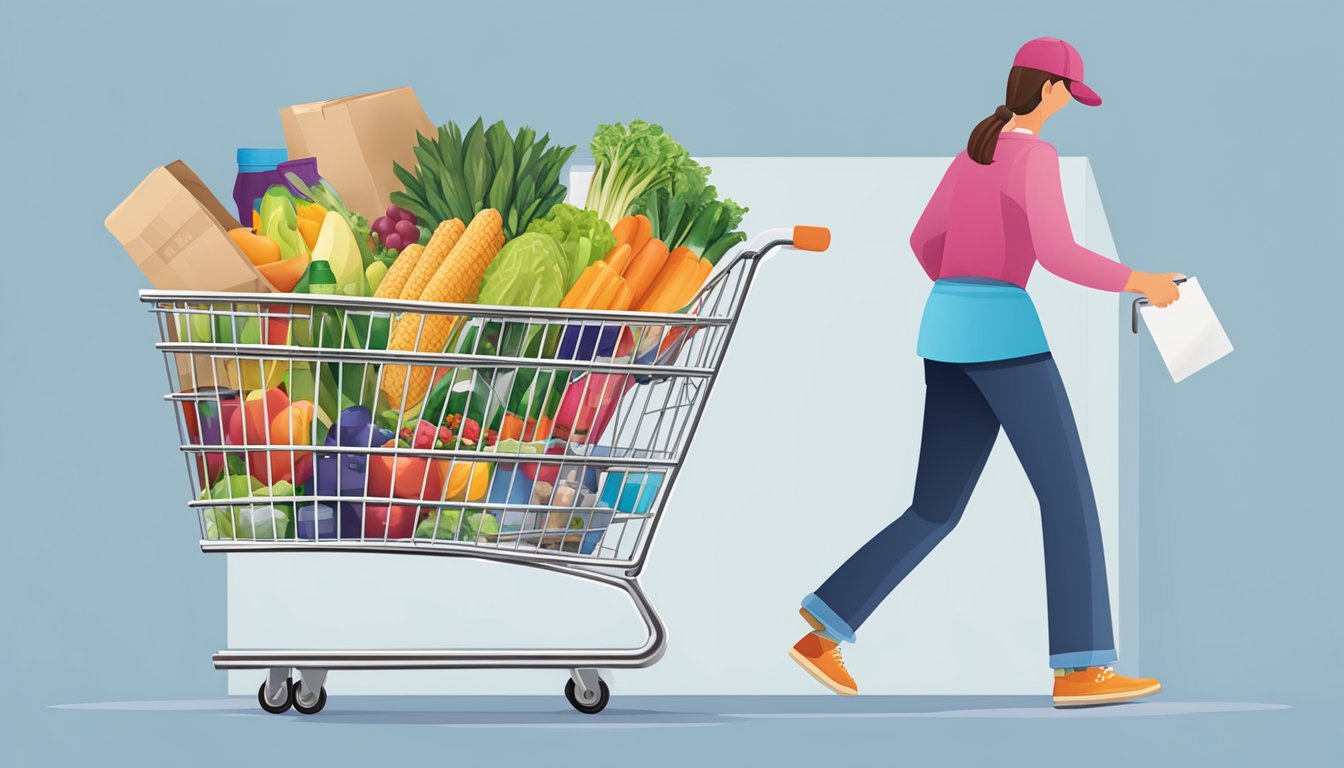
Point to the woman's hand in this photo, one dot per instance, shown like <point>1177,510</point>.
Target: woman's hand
<point>1160,289</point>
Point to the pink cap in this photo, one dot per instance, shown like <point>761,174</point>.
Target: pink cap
<point>1050,54</point>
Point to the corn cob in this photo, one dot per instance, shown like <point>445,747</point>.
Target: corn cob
<point>457,280</point>
<point>441,244</point>
<point>401,270</point>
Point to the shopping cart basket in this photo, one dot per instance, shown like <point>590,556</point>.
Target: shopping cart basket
<point>501,447</point>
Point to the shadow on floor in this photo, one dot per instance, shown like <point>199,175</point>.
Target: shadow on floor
<point>666,711</point>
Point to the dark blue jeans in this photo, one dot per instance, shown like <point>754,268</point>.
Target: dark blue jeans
<point>964,407</point>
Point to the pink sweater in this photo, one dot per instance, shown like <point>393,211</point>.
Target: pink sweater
<point>998,220</point>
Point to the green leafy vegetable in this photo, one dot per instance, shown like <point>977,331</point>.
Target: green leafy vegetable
<point>584,237</point>
<point>530,271</point>
<point>629,160</point>
<point>457,176</point>
<point>687,212</point>
<point>444,525</point>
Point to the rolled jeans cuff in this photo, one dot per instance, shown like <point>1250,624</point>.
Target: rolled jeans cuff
<point>828,618</point>
<point>1081,658</point>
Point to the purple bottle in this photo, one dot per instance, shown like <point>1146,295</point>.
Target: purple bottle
<point>260,168</point>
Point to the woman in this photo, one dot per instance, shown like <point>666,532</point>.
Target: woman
<point>997,212</point>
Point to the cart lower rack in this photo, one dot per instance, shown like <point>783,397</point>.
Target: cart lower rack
<point>545,438</point>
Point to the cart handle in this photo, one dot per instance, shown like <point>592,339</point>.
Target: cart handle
<point>816,239</point>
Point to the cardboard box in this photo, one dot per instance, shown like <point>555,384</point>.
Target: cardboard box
<point>176,232</point>
<point>356,140</point>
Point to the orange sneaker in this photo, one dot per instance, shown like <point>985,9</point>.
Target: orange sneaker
<point>1100,685</point>
<point>821,658</point>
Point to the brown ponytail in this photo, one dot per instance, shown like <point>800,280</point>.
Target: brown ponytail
<point>1024,94</point>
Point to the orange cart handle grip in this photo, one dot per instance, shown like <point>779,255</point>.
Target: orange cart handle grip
<point>815,239</point>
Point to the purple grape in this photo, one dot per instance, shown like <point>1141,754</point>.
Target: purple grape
<point>383,225</point>
<point>408,231</point>
<point>394,241</point>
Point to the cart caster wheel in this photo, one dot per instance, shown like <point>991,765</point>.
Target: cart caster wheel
<point>304,700</point>
<point>283,706</point>
<point>597,702</point>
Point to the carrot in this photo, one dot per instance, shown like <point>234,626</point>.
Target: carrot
<point>610,282</point>
<point>625,229</point>
<point>585,289</point>
<point>624,297</point>
<point>643,233</point>
<point>619,257</point>
<point>512,428</point>
<point>676,262</point>
<point>644,267</point>
<point>703,268</point>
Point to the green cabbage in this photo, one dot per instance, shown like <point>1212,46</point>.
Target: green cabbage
<point>443,525</point>
<point>583,235</point>
<point>528,272</point>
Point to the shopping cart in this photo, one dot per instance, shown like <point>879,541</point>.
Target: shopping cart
<point>554,440</point>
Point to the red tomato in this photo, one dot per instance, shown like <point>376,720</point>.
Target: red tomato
<point>404,477</point>
<point>394,522</point>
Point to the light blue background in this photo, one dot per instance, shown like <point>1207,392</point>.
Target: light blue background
<point>1217,151</point>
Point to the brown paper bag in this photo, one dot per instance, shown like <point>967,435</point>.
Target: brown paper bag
<point>356,140</point>
<point>176,232</point>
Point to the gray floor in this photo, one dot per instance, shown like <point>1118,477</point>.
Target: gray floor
<point>646,731</point>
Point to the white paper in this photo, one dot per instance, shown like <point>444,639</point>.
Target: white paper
<point>1187,332</point>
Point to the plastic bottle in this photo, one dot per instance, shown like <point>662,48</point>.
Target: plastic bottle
<point>320,278</point>
<point>256,173</point>
<point>260,168</point>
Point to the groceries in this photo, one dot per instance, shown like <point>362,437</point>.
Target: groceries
<point>259,169</point>
<point>320,438</point>
<point>462,257</point>
<point>582,235</point>
<point>687,212</point>
<point>530,272</point>
<point>398,229</point>
<point>357,140</point>
<point>457,176</point>
<point>176,232</point>
<point>631,159</point>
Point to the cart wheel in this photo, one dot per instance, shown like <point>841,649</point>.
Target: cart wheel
<point>598,702</point>
<point>305,702</point>
<point>283,706</point>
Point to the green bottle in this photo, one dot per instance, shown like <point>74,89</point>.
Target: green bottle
<point>319,278</point>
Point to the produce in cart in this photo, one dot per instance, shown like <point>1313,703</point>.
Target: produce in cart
<point>687,212</point>
<point>584,237</point>
<point>459,176</point>
<point>630,159</point>
<point>464,261</point>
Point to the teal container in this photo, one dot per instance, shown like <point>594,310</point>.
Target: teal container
<point>631,492</point>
